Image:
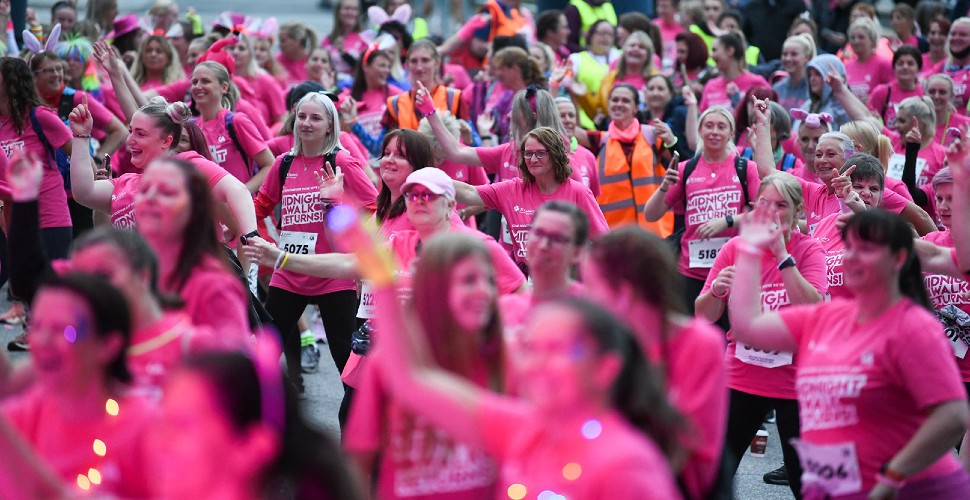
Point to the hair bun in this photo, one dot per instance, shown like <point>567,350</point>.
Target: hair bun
<point>178,112</point>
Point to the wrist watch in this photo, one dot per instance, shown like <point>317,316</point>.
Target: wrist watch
<point>786,263</point>
<point>730,220</point>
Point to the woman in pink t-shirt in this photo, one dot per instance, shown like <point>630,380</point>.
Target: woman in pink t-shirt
<point>268,98</point>
<point>230,427</point>
<point>344,41</point>
<point>672,340</point>
<point>544,174</point>
<point>727,89</point>
<point>885,99</point>
<point>80,331</point>
<point>939,88</point>
<point>365,101</point>
<point>302,230</point>
<point>157,63</point>
<point>709,202</point>
<point>881,400</point>
<point>296,41</point>
<point>868,69</point>
<point>918,112</point>
<point>934,58</point>
<point>263,53</point>
<point>794,273</point>
<point>568,379</point>
<point>154,128</point>
<point>18,133</point>
<point>245,156</point>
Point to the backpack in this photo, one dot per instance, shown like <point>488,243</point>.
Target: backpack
<point>740,167</point>
<point>231,130</point>
<point>61,159</point>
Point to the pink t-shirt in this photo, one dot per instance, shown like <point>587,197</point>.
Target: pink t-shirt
<point>583,162</point>
<point>468,174</point>
<point>933,155</point>
<point>215,298</point>
<point>518,201</point>
<point>156,350</point>
<point>295,70</point>
<point>508,276</point>
<point>892,93</point>
<point>353,45</point>
<point>871,384</point>
<point>960,76</point>
<point>269,101</point>
<point>416,459</point>
<point>126,186</point>
<point>956,120</point>
<point>700,395</point>
<point>616,459</point>
<point>715,91</point>
<point>52,199</point>
<point>222,148</point>
<point>459,75</point>
<point>899,187</point>
<point>862,78</point>
<point>302,226</point>
<point>63,441</point>
<point>769,374</point>
<point>946,291</point>
<point>713,191</point>
<point>830,238</point>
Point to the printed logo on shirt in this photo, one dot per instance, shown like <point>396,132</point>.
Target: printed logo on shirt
<point>124,218</point>
<point>820,400</point>
<point>218,154</point>
<point>706,205</point>
<point>771,300</point>
<point>832,261</point>
<point>946,290</point>
<point>9,147</point>
<point>427,462</point>
<point>301,207</point>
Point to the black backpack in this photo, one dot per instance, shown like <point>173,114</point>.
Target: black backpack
<point>740,166</point>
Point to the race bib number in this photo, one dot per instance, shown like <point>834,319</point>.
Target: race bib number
<point>896,163</point>
<point>367,307</point>
<point>703,252</point>
<point>959,346</point>
<point>833,467</point>
<point>760,357</point>
<point>299,243</point>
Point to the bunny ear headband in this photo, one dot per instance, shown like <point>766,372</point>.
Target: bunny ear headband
<point>813,120</point>
<point>265,29</point>
<point>382,42</point>
<point>34,45</point>
<point>378,16</point>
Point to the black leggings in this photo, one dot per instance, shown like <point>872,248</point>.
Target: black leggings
<point>746,414</point>
<point>338,310</point>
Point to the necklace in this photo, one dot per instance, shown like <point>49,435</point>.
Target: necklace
<point>305,166</point>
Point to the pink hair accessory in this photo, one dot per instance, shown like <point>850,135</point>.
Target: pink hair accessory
<point>813,120</point>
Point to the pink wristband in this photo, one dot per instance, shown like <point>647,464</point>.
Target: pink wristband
<point>888,481</point>
<point>427,107</point>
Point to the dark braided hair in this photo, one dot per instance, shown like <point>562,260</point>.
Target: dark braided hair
<point>18,82</point>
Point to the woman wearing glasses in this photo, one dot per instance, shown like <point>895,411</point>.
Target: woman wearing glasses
<point>543,176</point>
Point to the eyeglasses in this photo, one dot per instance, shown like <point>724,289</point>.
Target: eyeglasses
<point>552,238</point>
<point>426,197</point>
<point>539,155</point>
<point>50,71</point>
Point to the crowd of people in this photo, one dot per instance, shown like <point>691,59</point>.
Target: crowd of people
<point>566,251</point>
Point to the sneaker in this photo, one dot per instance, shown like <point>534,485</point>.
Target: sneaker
<point>777,476</point>
<point>19,343</point>
<point>14,316</point>
<point>309,358</point>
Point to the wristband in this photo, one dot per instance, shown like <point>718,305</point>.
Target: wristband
<point>279,260</point>
<point>892,475</point>
<point>82,136</point>
<point>715,295</point>
<point>427,108</point>
<point>888,481</point>
<point>672,144</point>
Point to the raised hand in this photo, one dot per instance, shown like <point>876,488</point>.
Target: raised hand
<point>662,130</point>
<point>107,57</point>
<point>835,81</point>
<point>485,122</point>
<point>80,119</point>
<point>843,181</point>
<point>915,135</point>
<point>331,184</point>
<point>761,116</point>
<point>690,98</point>
<point>25,175</point>
<point>721,286</point>
<point>423,101</point>
<point>348,112</point>
<point>761,227</point>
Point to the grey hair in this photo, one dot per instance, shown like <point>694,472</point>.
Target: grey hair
<point>452,125</point>
<point>331,141</point>
<point>845,142</point>
<point>780,121</point>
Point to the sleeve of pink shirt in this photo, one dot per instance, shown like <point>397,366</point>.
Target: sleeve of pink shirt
<point>798,318</point>
<point>249,137</point>
<point>491,157</point>
<point>597,221</point>
<point>892,202</point>
<point>175,91</point>
<point>356,181</point>
<point>351,143</point>
<point>477,176</point>
<point>811,263</point>
<point>508,276</point>
<point>492,193</point>
<point>210,170</point>
<point>924,363</point>
<point>54,129</point>
<point>878,98</point>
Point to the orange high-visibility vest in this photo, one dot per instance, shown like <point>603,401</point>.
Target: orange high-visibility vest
<point>625,188</point>
<point>403,111</point>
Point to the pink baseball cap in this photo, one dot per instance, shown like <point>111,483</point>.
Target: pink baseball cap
<point>435,179</point>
